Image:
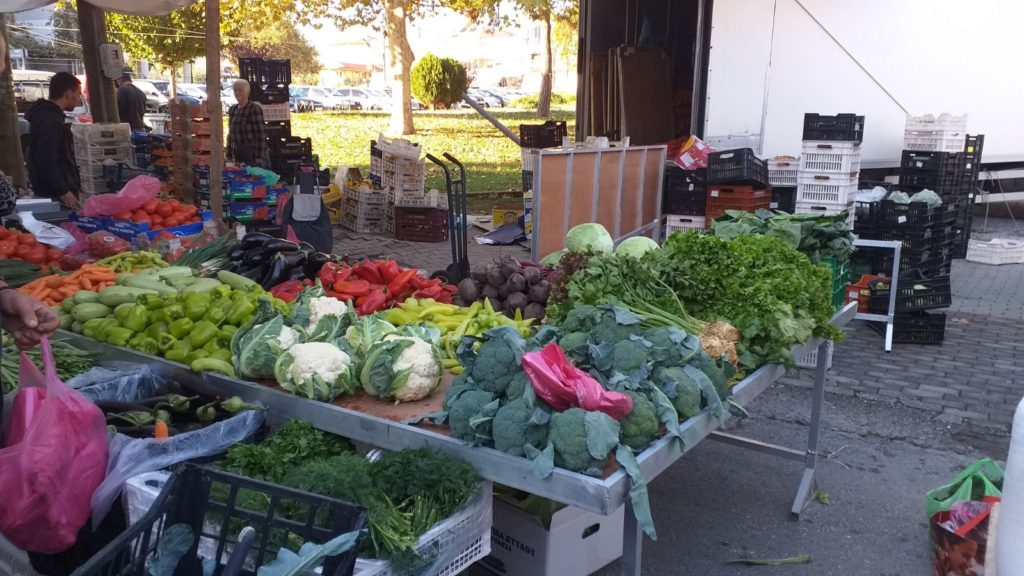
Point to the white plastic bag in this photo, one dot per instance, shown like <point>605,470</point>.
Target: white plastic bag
<point>46,233</point>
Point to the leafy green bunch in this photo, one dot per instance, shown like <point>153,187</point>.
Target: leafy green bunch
<point>816,235</point>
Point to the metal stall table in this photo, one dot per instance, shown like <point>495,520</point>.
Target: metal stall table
<point>598,495</point>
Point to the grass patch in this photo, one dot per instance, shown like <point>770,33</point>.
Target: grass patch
<point>493,162</point>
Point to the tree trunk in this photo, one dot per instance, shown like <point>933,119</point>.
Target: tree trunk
<point>12,162</point>
<point>544,101</point>
<point>93,26</point>
<point>400,61</point>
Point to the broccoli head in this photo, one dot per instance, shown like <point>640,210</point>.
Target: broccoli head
<point>459,385</point>
<point>465,410</point>
<point>577,434</point>
<point>517,387</point>
<point>574,340</point>
<point>681,389</point>
<point>616,324</point>
<point>514,426</point>
<point>497,360</point>
<point>580,319</point>
<point>671,346</point>
<point>640,426</point>
<point>630,354</point>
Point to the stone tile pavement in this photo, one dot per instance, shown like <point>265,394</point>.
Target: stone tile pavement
<point>975,377</point>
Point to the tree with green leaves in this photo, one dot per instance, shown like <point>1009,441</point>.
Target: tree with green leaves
<point>280,42</point>
<point>548,12</point>
<point>12,162</point>
<point>438,82</point>
<point>170,40</point>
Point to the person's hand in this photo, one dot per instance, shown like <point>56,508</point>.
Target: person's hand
<point>69,199</point>
<point>27,319</point>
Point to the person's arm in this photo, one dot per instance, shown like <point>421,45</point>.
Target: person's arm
<point>46,134</point>
<point>25,318</point>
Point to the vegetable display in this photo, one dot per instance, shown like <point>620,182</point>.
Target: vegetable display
<point>55,289</point>
<point>169,414</point>
<point>23,246</point>
<point>517,290</point>
<point>406,493</point>
<point>70,361</point>
<point>817,236</point>
<point>269,261</point>
<point>158,214</point>
<point>375,285</point>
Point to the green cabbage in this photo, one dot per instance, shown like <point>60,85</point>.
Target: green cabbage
<point>636,246</point>
<point>591,237</point>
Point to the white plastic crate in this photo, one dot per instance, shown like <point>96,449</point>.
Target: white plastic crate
<point>457,541</point>
<point>944,122</point>
<point>430,199</point>
<point>826,209</point>
<point>276,112</point>
<point>782,170</point>
<point>528,157</point>
<point>830,157</point>
<point>938,141</point>
<point>832,189</point>
<point>403,174</point>
<point>94,186</point>
<point>87,155</point>
<point>997,251</point>
<point>675,222</point>
<point>398,147</point>
<point>810,360</point>
<point>102,134</point>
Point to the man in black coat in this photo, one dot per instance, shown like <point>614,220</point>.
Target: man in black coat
<point>51,167</point>
<point>131,103</point>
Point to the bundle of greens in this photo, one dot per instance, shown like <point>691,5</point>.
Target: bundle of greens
<point>816,235</point>
<point>70,361</point>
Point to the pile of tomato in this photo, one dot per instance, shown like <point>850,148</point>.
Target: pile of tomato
<point>23,246</point>
<point>162,214</point>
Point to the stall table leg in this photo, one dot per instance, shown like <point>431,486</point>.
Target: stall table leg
<point>632,543</point>
<point>808,483</point>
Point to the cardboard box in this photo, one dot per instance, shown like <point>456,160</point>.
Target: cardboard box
<point>506,215</point>
<point>578,543</point>
<point>528,212</point>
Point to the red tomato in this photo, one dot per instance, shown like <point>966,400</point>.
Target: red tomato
<point>4,232</point>
<point>139,215</point>
<point>54,254</point>
<point>150,206</point>
<point>195,219</point>
<point>27,239</point>
<point>156,220</point>
<point>21,250</point>
<point>165,210</point>
<point>172,222</point>
<point>124,216</point>
<point>7,247</point>
<point>143,220</point>
<point>175,203</point>
<point>190,209</point>
<point>36,255</point>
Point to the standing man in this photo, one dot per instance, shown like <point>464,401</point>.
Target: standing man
<point>131,102</point>
<point>247,134</point>
<point>51,167</point>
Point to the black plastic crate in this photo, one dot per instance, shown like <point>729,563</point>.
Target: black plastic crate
<point>866,215</point>
<point>738,166</point>
<point>249,70</point>
<point>915,328</point>
<point>279,130</point>
<point>914,292</point>
<point>913,214</point>
<point>784,198</point>
<point>841,127</point>
<point>527,180</point>
<point>684,193</point>
<point>291,147</point>
<point>216,505</point>
<point>260,72</point>
<point>546,135</point>
<point>929,262</point>
<point>925,162</point>
<point>919,239</point>
<point>271,94</point>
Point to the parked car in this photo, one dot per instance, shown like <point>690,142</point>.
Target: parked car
<point>482,99</point>
<point>363,97</point>
<point>227,99</point>
<point>300,100</point>
<point>156,101</point>
<point>190,92</point>
<point>501,100</point>
<point>324,98</point>
<point>349,100</point>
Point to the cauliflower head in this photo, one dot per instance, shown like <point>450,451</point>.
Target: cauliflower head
<point>322,307</point>
<point>404,369</point>
<point>316,370</point>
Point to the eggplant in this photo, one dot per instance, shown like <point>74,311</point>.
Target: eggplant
<point>236,253</point>
<point>274,274</point>
<point>293,259</point>
<point>279,245</point>
<point>256,257</point>
<point>307,248</point>
<point>254,240</point>
<point>314,263</point>
<point>255,273</point>
<point>296,273</point>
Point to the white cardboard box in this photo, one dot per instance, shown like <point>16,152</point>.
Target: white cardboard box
<point>578,543</point>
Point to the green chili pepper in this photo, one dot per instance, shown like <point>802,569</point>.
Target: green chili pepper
<point>234,405</point>
<point>180,327</point>
<point>196,355</point>
<point>118,336</point>
<point>164,416</point>
<point>213,365</point>
<point>135,417</point>
<point>240,312</point>
<point>212,345</point>
<point>136,319</point>
<point>221,354</point>
<point>166,342</point>
<point>196,305</point>
<point>176,355</point>
<point>206,412</point>
<point>201,333</point>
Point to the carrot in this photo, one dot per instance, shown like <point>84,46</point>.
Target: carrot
<point>69,290</point>
<point>160,430</point>
<point>54,282</point>
<point>86,283</point>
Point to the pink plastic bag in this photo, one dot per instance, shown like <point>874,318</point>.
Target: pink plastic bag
<point>135,193</point>
<point>79,246</point>
<point>48,477</point>
<point>562,385</point>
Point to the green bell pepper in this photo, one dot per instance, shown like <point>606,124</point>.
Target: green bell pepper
<point>89,327</point>
<point>195,355</point>
<point>202,332</point>
<point>227,332</point>
<point>222,291</point>
<point>196,305</point>
<point>122,310</point>
<point>147,346</point>
<point>216,315</point>
<point>166,342</point>
<point>151,301</point>
<point>180,328</point>
<point>240,312</point>
<point>118,336</point>
<point>221,354</point>
<point>136,319</point>
<point>136,340</point>
<point>156,330</point>
<point>213,345</point>
<point>173,312</point>
<point>176,355</point>
<point>182,344</point>
<point>105,327</point>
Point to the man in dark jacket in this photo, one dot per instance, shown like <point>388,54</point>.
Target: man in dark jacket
<point>131,103</point>
<point>51,165</point>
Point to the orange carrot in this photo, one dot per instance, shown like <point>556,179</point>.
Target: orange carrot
<point>160,430</point>
<point>86,283</point>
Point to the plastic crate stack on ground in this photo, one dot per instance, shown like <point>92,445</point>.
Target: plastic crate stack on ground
<point>363,205</point>
<point>917,296</point>
<point>969,189</point>
<point>830,165</point>
<point>736,180</point>
<point>269,81</point>
<point>535,137</point>
<point>782,175</point>
<point>190,146</point>
<point>96,145</point>
<point>683,198</point>
<point>412,213</point>
<point>925,234</point>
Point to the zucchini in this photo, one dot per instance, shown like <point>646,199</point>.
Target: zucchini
<point>175,272</point>
<point>89,311</point>
<point>66,321</point>
<point>116,295</point>
<point>202,286</point>
<point>86,297</point>
<point>150,283</point>
<point>236,281</point>
<point>67,305</point>
<point>76,327</point>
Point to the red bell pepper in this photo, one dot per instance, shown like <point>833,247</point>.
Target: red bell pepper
<point>344,273</point>
<point>431,292</point>
<point>419,282</point>
<point>287,290</point>
<point>388,270</point>
<point>374,301</point>
<point>399,283</point>
<point>327,273</point>
<point>338,295</point>
<point>353,287</point>
<point>367,270</point>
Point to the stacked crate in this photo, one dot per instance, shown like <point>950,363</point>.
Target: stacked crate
<point>270,82</point>
<point>683,198</point>
<point>830,165</point>
<point>191,142</point>
<point>535,137</point>
<point>917,296</point>
<point>736,180</point>
<point>95,145</point>
<point>783,172</point>
<point>411,213</point>
<point>363,205</point>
